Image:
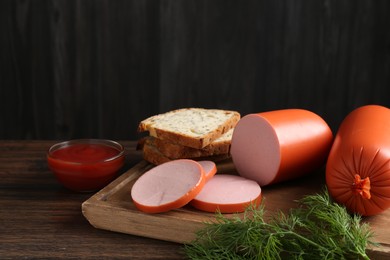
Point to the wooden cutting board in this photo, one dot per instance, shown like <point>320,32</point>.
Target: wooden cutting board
<point>112,209</point>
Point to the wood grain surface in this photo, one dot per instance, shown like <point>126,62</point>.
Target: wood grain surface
<point>39,219</point>
<point>72,69</point>
<point>112,209</point>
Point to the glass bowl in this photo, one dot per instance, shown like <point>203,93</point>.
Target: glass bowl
<point>85,165</point>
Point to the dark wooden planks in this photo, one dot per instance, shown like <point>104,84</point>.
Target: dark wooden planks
<point>71,69</point>
<point>208,54</point>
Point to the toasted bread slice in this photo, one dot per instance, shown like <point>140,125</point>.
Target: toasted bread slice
<point>192,127</point>
<point>154,156</point>
<point>176,151</point>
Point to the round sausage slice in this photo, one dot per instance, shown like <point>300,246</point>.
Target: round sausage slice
<point>279,145</point>
<point>227,194</point>
<point>168,186</point>
<point>210,169</point>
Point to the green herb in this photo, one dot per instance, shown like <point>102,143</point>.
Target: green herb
<point>317,229</point>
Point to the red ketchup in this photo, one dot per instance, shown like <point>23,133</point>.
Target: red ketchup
<point>86,165</point>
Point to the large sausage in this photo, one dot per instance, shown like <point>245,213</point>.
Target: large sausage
<point>358,166</point>
<point>279,145</point>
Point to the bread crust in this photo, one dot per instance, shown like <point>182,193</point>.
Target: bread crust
<point>176,151</point>
<point>154,156</point>
<point>183,139</point>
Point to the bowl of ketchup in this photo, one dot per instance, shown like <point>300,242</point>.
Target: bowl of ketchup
<point>85,165</point>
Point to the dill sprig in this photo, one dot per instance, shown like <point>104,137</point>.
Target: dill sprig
<point>318,229</point>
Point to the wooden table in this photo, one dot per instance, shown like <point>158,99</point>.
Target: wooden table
<point>41,219</point>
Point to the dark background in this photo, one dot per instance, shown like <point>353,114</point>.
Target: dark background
<point>75,69</point>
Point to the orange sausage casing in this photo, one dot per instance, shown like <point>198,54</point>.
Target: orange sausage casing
<point>280,145</point>
<point>358,166</point>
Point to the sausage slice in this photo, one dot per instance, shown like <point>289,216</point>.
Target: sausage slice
<point>209,167</point>
<point>168,186</point>
<point>227,194</point>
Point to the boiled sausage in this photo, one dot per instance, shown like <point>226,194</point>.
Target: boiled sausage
<point>209,167</point>
<point>279,145</point>
<point>227,194</point>
<point>168,186</point>
<point>358,167</point>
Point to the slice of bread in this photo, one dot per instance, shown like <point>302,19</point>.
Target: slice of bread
<point>154,156</point>
<point>176,151</point>
<point>192,127</point>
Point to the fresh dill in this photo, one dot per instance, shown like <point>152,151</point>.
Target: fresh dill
<point>318,229</point>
